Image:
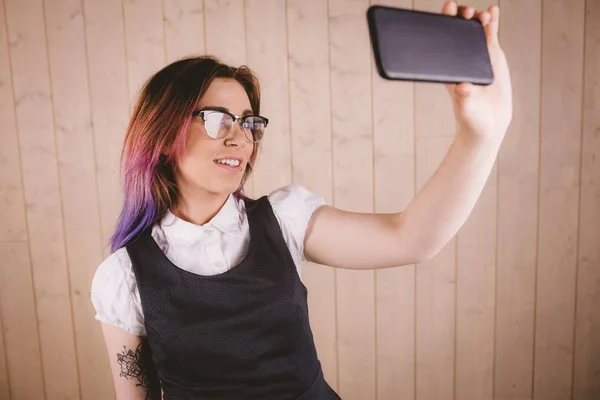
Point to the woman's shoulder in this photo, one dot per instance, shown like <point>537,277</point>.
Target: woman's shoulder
<point>293,196</point>
<point>114,272</point>
<point>114,293</point>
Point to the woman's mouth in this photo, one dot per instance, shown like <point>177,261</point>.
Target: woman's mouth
<point>229,164</point>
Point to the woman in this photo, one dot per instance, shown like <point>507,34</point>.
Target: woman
<point>201,297</point>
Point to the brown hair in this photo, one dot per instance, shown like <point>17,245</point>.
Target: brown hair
<point>160,121</point>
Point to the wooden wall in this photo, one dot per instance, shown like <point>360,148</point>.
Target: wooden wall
<point>507,311</point>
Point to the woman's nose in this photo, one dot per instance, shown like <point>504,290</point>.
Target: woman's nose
<point>236,136</point>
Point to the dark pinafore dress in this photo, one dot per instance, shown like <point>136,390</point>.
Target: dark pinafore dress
<point>242,334</point>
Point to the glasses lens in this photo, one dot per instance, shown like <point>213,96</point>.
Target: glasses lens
<point>254,128</point>
<point>217,124</point>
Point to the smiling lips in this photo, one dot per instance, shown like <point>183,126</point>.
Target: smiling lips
<point>230,164</point>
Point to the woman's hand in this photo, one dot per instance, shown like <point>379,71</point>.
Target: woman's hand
<point>483,111</point>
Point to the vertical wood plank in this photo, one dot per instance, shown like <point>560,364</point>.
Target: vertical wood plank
<point>394,188</point>
<point>353,189</point>
<point>436,279</point>
<point>17,330</point>
<point>4,386</point>
<point>266,47</point>
<point>476,290</point>
<point>17,299</point>
<point>310,114</point>
<point>184,28</point>
<point>145,44</point>
<point>586,385</point>
<point>520,37</point>
<point>225,22</point>
<point>109,99</point>
<point>562,71</point>
<point>12,216</point>
<point>28,54</point>
<point>475,304</point>
<point>75,151</point>
<point>435,288</point>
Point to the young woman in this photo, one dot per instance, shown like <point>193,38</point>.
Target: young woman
<point>201,297</point>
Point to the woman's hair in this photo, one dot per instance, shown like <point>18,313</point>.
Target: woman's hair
<point>156,137</point>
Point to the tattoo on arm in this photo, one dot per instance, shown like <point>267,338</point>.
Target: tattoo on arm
<point>138,365</point>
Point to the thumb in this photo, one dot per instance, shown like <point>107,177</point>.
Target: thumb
<point>464,89</point>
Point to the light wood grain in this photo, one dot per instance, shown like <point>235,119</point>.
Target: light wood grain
<point>109,99</point>
<point>184,28</point>
<point>353,189</point>
<point>4,384</point>
<point>310,119</point>
<point>20,324</point>
<point>12,222</point>
<point>435,290</point>
<point>144,41</point>
<point>586,384</point>
<point>42,188</point>
<point>394,188</point>
<point>476,290</point>
<point>77,170</point>
<point>266,53</point>
<point>520,37</point>
<point>562,74</point>
<point>12,213</point>
<point>225,30</point>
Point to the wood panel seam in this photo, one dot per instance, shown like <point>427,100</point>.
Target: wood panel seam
<point>35,306</point>
<point>335,272</point>
<point>287,64</point>
<point>92,127</point>
<point>204,25</point>
<point>130,105</point>
<point>60,194</point>
<point>577,249</point>
<point>539,184</point>
<point>164,32</point>
<point>5,352</point>
<point>373,205</point>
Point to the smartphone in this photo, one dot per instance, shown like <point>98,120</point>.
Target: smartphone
<point>421,46</point>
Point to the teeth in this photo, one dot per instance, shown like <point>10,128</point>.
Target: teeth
<point>233,163</point>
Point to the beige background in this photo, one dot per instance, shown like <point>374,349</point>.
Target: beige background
<point>508,310</point>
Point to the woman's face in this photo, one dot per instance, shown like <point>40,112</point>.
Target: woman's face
<point>201,168</point>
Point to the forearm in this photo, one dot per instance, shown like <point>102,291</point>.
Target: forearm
<point>443,205</point>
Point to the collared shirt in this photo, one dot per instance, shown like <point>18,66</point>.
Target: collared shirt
<point>208,249</point>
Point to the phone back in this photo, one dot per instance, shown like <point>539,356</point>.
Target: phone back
<point>421,46</point>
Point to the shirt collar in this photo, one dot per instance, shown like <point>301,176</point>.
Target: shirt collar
<point>228,220</point>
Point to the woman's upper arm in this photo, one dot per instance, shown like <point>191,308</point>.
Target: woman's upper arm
<point>133,372</point>
<point>354,240</point>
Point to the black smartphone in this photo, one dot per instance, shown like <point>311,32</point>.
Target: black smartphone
<point>428,47</point>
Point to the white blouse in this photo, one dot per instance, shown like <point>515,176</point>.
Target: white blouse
<point>210,249</point>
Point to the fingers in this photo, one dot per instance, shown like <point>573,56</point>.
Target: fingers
<point>490,18</point>
<point>449,8</point>
<point>467,12</point>
<point>491,28</point>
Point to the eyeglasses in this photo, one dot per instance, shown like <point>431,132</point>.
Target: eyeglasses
<point>218,124</point>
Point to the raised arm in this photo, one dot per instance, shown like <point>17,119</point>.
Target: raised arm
<point>368,241</point>
<point>134,374</point>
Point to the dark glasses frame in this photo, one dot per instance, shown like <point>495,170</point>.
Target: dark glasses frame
<point>242,119</point>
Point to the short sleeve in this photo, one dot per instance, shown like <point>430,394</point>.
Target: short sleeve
<point>115,296</point>
<point>294,205</point>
